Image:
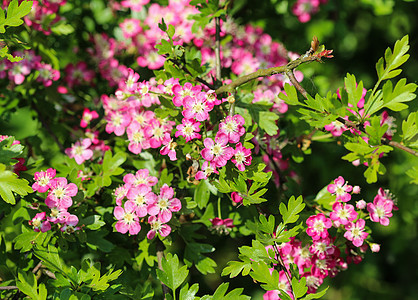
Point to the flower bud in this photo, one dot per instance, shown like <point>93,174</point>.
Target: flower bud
<point>361,204</point>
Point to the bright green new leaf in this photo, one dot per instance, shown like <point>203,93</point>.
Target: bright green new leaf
<point>291,213</point>
<point>393,60</point>
<point>15,13</point>
<point>187,293</point>
<point>410,127</point>
<point>28,285</point>
<point>299,287</point>
<point>316,295</point>
<point>172,275</point>
<point>261,273</point>
<point>233,268</point>
<point>393,99</point>
<point>290,96</point>
<point>10,183</point>
<point>267,122</point>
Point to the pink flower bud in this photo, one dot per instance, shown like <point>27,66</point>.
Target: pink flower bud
<point>361,204</point>
<point>375,247</point>
<point>356,189</point>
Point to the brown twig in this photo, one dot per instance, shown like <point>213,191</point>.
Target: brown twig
<point>348,123</point>
<point>265,73</point>
<point>10,287</point>
<point>218,49</point>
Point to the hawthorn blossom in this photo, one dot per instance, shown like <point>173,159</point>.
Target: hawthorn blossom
<point>322,248</point>
<point>361,204</point>
<point>60,193</point>
<point>355,232</point>
<point>336,128</point>
<point>242,157</point>
<point>236,197</point>
<point>120,192</point>
<point>374,247</point>
<point>157,227</point>
<point>169,147</point>
<point>42,180</point>
<point>390,121</point>
<point>135,5</point>
<point>140,177</point>
<point>141,196</point>
<point>39,224</point>
<point>343,213</point>
<point>341,189</point>
<point>181,92</point>
<point>196,107</point>
<point>138,138</point>
<point>380,210</point>
<point>130,28</point>
<point>317,226</point>
<point>80,151</point>
<point>188,129</point>
<point>117,122</point>
<point>207,169</point>
<point>47,74</point>
<point>232,126</point>
<point>127,219</point>
<point>70,224</point>
<point>87,117</point>
<point>165,204</point>
<point>217,151</point>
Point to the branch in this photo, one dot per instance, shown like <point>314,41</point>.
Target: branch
<point>218,49</point>
<point>267,72</point>
<point>10,287</point>
<point>347,123</point>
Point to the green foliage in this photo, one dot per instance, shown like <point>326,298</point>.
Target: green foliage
<point>10,184</point>
<point>15,13</point>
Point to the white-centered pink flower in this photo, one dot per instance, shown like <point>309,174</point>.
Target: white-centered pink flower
<point>157,227</point>
<point>39,223</point>
<point>341,189</point>
<point>343,213</point>
<point>188,129</point>
<point>217,151</point>
<point>165,204</point>
<point>42,180</point>
<point>232,126</point>
<point>141,196</point>
<point>355,232</point>
<point>127,219</point>
<point>60,194</point>
<point>80,151</point>
<point>317,226</point>
<point>242,157</point>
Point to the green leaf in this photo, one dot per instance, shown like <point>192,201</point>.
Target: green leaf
<point>10,183</point>
<point>187,293</point>
<point>393,60</point>
<point>28,284</point>
<point>172,275</point>
<point>50,258</point>
<point>235,294</point>
<point>267,226</point>
<point>233,268</point>
<point>354,90</point>
<point>193,255</point>
<point>413,173</point>
<point>268,122</point>
<point>202,194</point>
<point>15,13</point>
<point>261,273</point>
<point>291,213</point>
<point>402,93</point>
<point>316,295</point>
<point>26,241</point>
<point>410,127</point>
<point>8,151</point>
<point>290,96</point>
<point>299,287</point>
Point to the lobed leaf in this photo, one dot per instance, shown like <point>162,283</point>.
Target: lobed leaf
<point>172,275</point>
<point>294,207</point>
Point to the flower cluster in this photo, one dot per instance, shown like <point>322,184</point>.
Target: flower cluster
<point>17,71</point>
<point>322,257</point>
<point>40,16</point>
<point>58,200</point>
<point>303,9</point>
<point>135,200</point>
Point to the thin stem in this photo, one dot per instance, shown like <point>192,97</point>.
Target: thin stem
<point>286,272</point>
<point>10,287</point>
<point>219,208</point>
<point>218,49</point>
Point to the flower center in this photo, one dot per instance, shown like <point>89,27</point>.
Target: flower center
<point>319,226</point>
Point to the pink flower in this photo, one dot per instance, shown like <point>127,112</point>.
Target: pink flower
<point>336,128</point>
<point>322,248</point>
<point>138,139</point>
<point>181,92</point>
<point>130,28</point>
<point>303,9</point>
<point>361,204</point>
<point>236,197</point>
<point>87,117</point>
<point>60,193</point>
<point>188,129</point>
<point>42,180</point>
<point>233,128</point>
<point>165,204</point>
<point>217,152</point>
<point>141,196</point>
<point>70,224</point>
<point>196,107</point>
<point>79,151</point>
<point>341,189</point>
<point>127,219</point>
<point>169,147</point>
<point>343,213</point>
<point>380,211</point>
<point>157,227</point>
<point>390,121</point>
<point>317,226</point>
<point>374,247</point>
<point>47,74</point>
<point>140,177</point>
<point>242,157</point>
<point>38,223</point>
<point>207,169</point>
<point>117,122</point>
<point>135,5</point>
<point>355,232</point>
